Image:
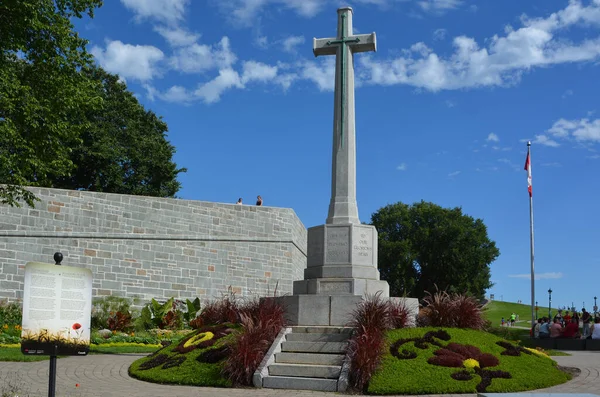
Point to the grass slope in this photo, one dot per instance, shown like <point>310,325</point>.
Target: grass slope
<point>417,376</point>
<point>495,310</point>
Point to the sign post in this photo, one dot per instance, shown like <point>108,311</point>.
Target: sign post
<point>57,308</point>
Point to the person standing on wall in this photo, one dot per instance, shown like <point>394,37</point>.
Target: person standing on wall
<point>259,201</point>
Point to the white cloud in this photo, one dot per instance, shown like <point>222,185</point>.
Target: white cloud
<point>257,71</point>
<point>492,137</point>
<point>168,11</point>
<point>136,62</point>
<point>201,57</point>
<point>177,94</point>
<point>567,94</point>
<point>583,130</point>
<point>450,103</point>
<point>262,42</point>
<point>439,5</point>
<point>539,276</point>
<point>177,37</point>
<point>211,91</point>
<point>502,62</point>
<point>321,72</point>
<point>245,12</point>
<point>544,140</point>
<point>453,174</point>
<point>439,34</point>
<point>555,164</point>
<point>402,167</point>
<point>290,43</point>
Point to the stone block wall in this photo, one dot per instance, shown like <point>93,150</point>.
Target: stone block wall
<point>150,247</point>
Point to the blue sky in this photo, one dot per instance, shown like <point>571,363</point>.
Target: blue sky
<point>443,112</point>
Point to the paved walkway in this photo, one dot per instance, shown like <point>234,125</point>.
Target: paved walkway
<point>106,376</point>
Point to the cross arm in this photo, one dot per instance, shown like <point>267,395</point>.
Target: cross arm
<point>320,47</point>
<point>367,42</point>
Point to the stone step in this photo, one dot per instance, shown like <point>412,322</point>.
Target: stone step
<point>322,330</point>
<point>309,358</point>
<point>313,337</point>
<point>289,382</point>
<point>305,370</point>
<point>314,347</point>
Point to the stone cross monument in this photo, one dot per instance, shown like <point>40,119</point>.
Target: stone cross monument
<point>342,253</point>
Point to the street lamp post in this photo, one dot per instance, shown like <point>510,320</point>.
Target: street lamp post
<point>536,310</point>
<point>550,304</point>
<point>595,308</point>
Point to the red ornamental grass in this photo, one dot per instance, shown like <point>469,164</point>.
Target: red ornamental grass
<point>371,318</point>
<point>261,322</point>
<point>456,310</point>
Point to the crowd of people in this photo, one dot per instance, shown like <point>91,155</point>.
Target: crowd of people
<point>259,201</point>
<point>568,326</point>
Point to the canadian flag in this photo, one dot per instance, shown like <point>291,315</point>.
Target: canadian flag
<point>528,169</point>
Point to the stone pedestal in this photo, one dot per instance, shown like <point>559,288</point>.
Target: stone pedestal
<point>341,270</point>
<point>342,260</point>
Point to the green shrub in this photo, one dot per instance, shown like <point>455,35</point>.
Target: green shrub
<point>110,311</point>
<point>160,315</point>
<point>10,313</point>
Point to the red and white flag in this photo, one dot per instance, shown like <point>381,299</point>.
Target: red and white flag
<point>528,169</point>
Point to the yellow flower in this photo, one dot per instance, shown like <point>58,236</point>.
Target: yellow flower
<point>5,326</point>
<point>539,353</point>
<point>470,363</point>
<point>197,339</point>
<point>132,334</point>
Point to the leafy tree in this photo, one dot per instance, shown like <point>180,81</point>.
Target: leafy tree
<point>424,246</point>
<point>43,95</point>
<point>125,149</point>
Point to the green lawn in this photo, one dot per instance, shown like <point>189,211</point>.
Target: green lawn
<point>526,370</point>
<point>13,353</point>
<point>495,310</point>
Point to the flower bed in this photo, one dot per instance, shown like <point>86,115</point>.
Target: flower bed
<point>450,360</point>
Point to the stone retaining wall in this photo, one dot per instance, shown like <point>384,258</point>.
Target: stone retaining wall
<point>150,247</point>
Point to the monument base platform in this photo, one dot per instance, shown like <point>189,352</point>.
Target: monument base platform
<point>341,286</point>
<point>329,310</point>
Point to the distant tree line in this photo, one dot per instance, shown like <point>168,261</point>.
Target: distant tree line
<point>64,121</point>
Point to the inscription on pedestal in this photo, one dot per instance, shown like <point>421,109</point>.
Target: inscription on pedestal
<point>338,249</point>
<point>362,246</point>
<point>335,287</point>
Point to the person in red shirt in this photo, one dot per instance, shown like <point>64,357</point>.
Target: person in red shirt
<point>567,318</point>
<point>571,330</point>
<point>555,329</point>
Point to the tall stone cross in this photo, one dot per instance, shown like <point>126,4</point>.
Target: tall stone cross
<point>342,207</point>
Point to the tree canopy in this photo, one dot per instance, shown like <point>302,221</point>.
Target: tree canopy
<point>424,246</point>
<point>125,149</point>
<point>64,122</point>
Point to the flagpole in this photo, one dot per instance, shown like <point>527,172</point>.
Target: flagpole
<point>531,238</point>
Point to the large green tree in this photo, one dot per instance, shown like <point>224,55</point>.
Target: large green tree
<point>424,246</point>
<point>64,122</point>
<point>43,95</point>
<point>125,149</point>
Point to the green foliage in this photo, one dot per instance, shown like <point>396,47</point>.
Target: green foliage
<point>189,372</point>
<point>528,371</point>
<point>126,349</point>
<point>163,316</point>
<point>105,309</point>
<point>10,313</point>
<point>43,95</point>
<point>125,149</point>
<point>423,245</point>
<point>65,122</point>
<point>193,307</point>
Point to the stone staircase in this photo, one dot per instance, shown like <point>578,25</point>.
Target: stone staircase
<point>306,358</point>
